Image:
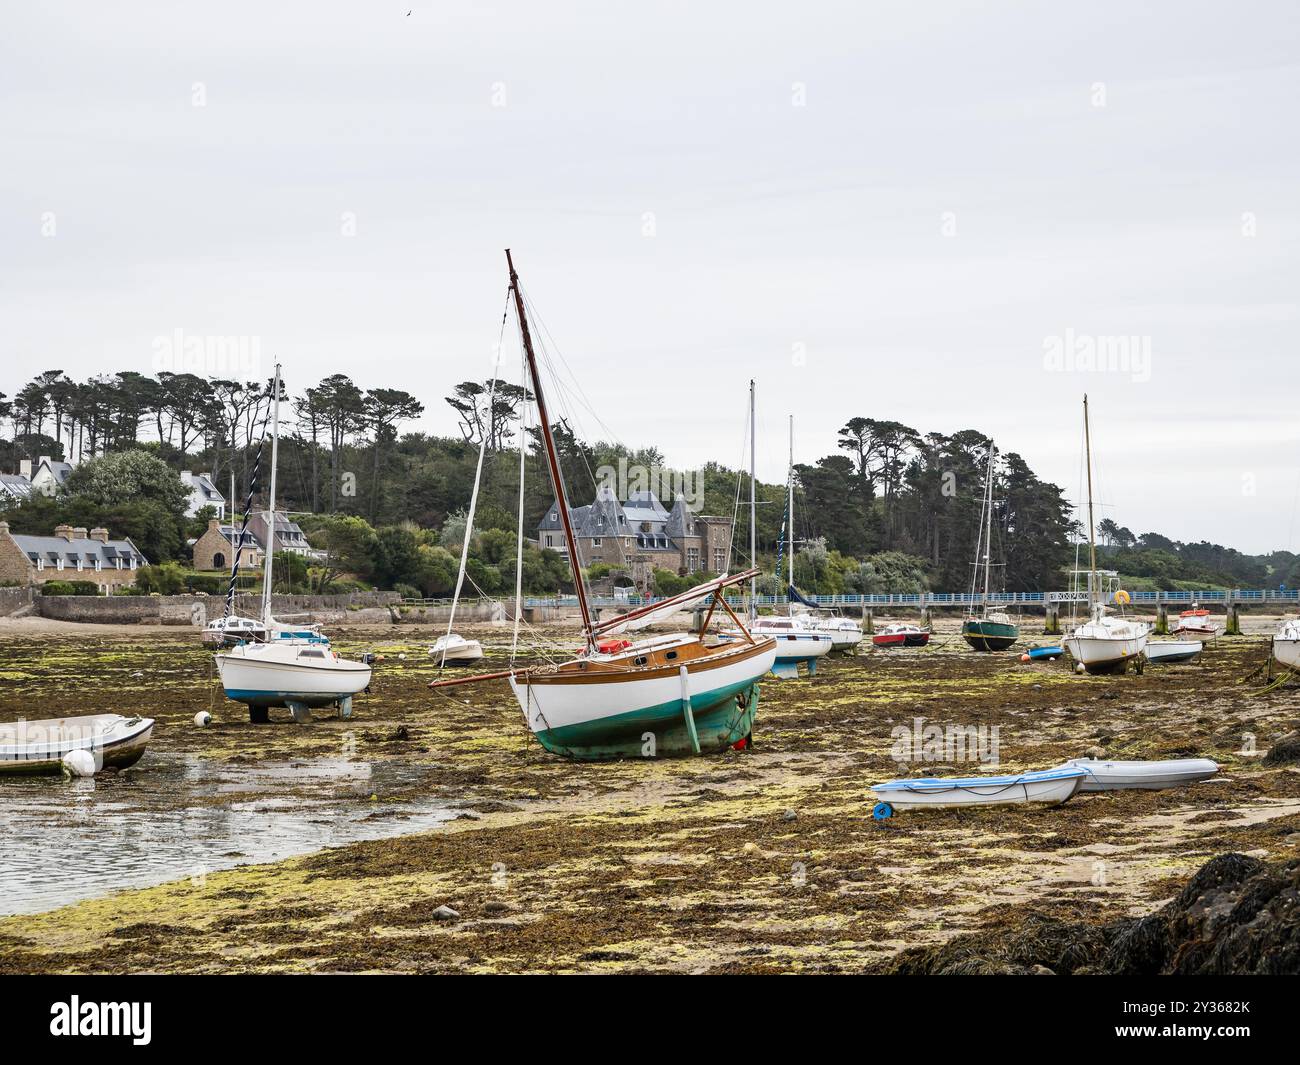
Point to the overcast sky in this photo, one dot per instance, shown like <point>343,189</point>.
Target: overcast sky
<point>902,211</point>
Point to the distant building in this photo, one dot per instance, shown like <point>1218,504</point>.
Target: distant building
<point>203,493</point>
<point>639,536</point>
<point>69,555</point>
<point>50,475</point>
<point>215,549</point>
<point>14,488</point>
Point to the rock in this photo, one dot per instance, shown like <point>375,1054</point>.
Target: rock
<point>1285,751</point>
<point>497,907</point>
<point>789,815</point>
<point>1095,752</point>
<point>750,848</point>
<point>445,913</point>
<point>1041,970</point>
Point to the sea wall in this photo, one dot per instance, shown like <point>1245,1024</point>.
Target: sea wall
<point>12,599</point>
<point>195,610</point>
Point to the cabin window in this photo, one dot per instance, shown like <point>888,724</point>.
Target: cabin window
<point>311,654</point>
<point>639,660</point>
<point>671,655</point>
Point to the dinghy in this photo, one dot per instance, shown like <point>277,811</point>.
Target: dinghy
<point>1168,652</point>
<point>901,635</point>
<point>798,642</point>
<point>1148,776</point>
<point>1043,654</point>
<point>39,747</point>
<point>454,650</point>
<point>1050,786</point>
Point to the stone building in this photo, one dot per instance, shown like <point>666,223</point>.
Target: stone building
<point>639,536</point>
<point>215,548</point>
<point>69,555</point>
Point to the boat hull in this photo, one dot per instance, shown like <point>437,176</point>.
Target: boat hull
<point>37,748</point>
<point>1104,655</point>
<point>989,635</point>
<point>1171,652</point>
<point>1050,787</point>
<point>591,718</point>
<point>267,683</point>
<point>1286,652</point>
<point>1144,776</point>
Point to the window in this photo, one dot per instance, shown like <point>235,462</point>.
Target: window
<point>719,559</point>
<point>99,565</point>
<point>693,559</point>
<point>595,541</point>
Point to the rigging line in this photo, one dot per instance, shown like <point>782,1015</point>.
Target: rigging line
<point>740,476</point>
<point>478,477</point>
<point>519,535</point>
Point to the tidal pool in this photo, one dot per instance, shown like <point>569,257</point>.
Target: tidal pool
<point>177,816</point>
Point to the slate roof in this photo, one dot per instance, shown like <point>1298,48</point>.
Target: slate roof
<point>14,486</point>
<point>52,548</point>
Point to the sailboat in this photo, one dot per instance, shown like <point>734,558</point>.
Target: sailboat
<point>298,671</point>
<point>1286,645</point>
<point>989,630</point>
<point>1102,644</point>
<point>799,639</point>
<point>674,694</point>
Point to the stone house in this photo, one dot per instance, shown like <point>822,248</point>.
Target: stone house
<point>203,493</point>
<point>215,548</point>
<point>71,554</point>
<point>639,536</point>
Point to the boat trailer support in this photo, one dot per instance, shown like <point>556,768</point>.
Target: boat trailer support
<point>687,712</point>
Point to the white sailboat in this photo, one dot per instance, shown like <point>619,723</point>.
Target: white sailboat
<point>1102,644</point>
<point>298,671</point>
<point>666,695</point>
<point>1286,645</point>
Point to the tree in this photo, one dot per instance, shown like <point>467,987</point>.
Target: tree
<point>128,476</point>
<point>384,409</point>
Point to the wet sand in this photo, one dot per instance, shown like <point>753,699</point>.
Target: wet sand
<point>763,860</point>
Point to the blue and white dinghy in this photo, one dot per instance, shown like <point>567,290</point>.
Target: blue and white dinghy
<point>1147,776</point>
<point>1048,786</point>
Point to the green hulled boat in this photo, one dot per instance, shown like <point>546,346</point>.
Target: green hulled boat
<point>992,632</point>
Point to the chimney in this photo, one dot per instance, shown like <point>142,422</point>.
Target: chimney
<point>65,531</point>
<point>79,533</point>
<point>214,526</point>
<point>25,469</point>
<point>100,534</point>
<point>4,528</point>
<point>186,475</point>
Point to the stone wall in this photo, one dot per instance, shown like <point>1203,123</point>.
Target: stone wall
<point>12,599</point>
<point>195,610</point>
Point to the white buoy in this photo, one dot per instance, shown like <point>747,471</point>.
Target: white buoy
<point>203,719</point>
<point>402,656</point>
<point>1081,668</point>
<point>79,764</point>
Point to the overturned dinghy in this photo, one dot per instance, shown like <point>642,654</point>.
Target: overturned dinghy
<point>1101,775</point>
<point>39,747</point>
<point>1050,786</point>
<point>1170,652</point>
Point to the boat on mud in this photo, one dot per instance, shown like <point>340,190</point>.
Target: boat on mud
<point>1195,624</point>
<point>989,630</point>
<point>454,650</point>
<point>677,694</point>
<point>1286,645</point>
<point>901,635</point>
<point>1049,786</point>
<point>1154,775</point>
<point>29,748</point>
<point>1171,652</point>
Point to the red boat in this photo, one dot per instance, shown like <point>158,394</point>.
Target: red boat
<point>1195,624</point>
<point>901,636</point>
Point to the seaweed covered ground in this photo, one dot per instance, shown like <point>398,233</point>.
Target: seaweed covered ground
<point>764,860</point>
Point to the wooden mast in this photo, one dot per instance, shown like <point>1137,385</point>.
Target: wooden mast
<point>552,459</point>
<point>1092,535</point>
<point>789,478</point>
<point>753,509</point>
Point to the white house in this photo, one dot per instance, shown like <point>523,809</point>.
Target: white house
<point>50,475</point>
<point>203,493</point>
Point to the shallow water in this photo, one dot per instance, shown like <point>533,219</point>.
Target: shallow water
<point>179,816</point>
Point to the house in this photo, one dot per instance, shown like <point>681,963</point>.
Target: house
<point>215,548</point>
<point>639,536</point>
<point>50,475</point>
<point>14,488</point>
<point>203,493</point>
<point>69,555</point>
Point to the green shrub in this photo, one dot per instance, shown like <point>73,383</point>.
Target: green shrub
<point>56,588</point>
<point>84,588</point>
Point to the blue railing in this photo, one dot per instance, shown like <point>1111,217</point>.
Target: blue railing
<point>960,599</point>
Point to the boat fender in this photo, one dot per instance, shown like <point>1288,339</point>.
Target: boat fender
<point>203,719</point>
<point>79,764</point>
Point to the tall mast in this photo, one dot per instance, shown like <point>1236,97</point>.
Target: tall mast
<point>270,505</point>
<point>789,480</point>
<point>552,459</point>
<point>988,528</point>
<point>753,508</point>
<point>1092,535</point>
